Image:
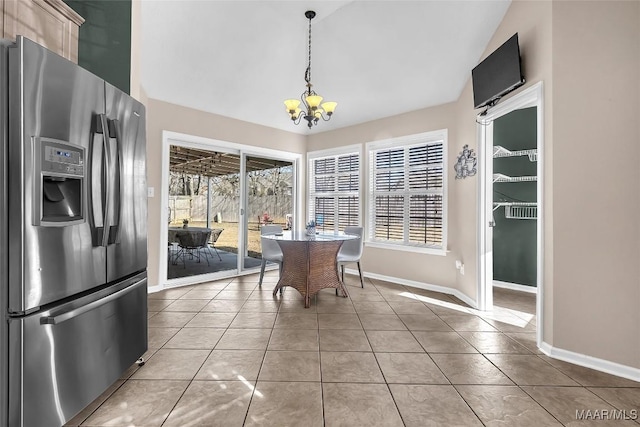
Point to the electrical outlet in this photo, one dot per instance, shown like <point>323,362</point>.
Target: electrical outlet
<point>462,269</point>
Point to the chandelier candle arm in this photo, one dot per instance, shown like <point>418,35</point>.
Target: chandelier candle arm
<point>311,109</point>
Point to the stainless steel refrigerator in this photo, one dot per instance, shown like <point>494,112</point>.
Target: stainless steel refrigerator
<point>73,235</point>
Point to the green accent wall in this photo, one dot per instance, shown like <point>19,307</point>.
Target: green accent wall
<point>514,240</point>
<point>105,39</point>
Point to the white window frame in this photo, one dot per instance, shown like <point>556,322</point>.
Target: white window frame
<point>406,142</point>
<point>311,193</point>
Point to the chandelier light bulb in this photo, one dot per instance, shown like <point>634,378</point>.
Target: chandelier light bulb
<point>329,107</point>
<point>313,101</point>
<point>291,105</point>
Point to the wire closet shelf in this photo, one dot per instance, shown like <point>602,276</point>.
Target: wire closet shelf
<point>516,210</point>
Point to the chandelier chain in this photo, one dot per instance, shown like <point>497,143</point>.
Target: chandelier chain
<point>310,106</point>
<point>307,74</point>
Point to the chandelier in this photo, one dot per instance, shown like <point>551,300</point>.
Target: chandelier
<point>311,109</point>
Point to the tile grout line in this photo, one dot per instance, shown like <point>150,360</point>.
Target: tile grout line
<point>203,362</point>
<point>400,288</point>
<point>540,404</point>
<point>425,350</point>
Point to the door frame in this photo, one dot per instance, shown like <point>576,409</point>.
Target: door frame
<point>192,141</point>
<point>244,194</point>
<point>530,97</point>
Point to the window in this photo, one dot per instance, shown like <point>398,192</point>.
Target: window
<point>407,183</point>
<point>334,188</point>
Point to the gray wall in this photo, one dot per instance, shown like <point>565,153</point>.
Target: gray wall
<point>105,39</point>
<point>514,240</point>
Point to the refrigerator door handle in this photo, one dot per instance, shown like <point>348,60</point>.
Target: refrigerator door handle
<point>96,182</point>
<point>114,132</point>
<point>107,178</point>
<point>57,319</point>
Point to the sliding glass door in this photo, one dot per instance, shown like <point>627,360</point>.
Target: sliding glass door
<point>203,195</point>
<point>269,200</point>
<point>217,199</point>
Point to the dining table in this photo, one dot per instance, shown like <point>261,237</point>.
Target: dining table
<point>173,232</point>
<point>309,262</point>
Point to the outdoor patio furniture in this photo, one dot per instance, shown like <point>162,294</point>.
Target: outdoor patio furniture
<point>214,235</point>
<point>190,243</point>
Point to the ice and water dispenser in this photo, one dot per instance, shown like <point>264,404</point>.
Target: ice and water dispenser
<point>60,181</point>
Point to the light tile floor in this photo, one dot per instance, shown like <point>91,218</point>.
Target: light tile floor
<point>227,353</point>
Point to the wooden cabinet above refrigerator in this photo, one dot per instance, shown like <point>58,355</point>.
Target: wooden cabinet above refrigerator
<point>50,23</point>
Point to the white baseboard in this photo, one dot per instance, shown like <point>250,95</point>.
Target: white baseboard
<point>602,365</point>
<point>153,289</point>
<point>586,361</point>
<point>515,287</point>
<point>419,285</point>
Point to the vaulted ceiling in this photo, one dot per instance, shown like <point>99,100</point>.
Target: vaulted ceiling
<point>242,59</point>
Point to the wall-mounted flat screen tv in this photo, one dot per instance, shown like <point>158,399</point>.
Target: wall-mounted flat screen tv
<point>498,74</point>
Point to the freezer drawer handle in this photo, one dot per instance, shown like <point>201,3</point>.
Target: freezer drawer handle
<point>55,320</point>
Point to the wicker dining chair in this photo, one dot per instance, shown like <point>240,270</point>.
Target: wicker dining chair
<point>270,248</point>
<point>351,251</point>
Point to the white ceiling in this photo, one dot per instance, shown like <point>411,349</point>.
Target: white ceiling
<point>242,59</point>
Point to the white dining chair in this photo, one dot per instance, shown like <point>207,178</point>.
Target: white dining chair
<point>351,251</point>
<point>270,249</point>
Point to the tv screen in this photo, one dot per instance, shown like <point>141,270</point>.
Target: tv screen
<point>498,74</point>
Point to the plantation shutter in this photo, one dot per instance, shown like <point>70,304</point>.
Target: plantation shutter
<point>334,196</point>
<point>407,187</point>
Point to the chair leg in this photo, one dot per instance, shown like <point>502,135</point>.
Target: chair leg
<point>264,263</point>
<point>194,253</point>
<point>177,255</point>
<point>208,253</point>
<point>217,253</point>
<point>203,250</point>
<point>360,272</point>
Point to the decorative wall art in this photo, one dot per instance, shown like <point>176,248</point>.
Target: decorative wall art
<point>466,164</point>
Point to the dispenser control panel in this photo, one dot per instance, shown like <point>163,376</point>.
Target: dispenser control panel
<point>59,183</point>
<point>65,160</point>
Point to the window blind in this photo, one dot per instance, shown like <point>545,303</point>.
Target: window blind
<point>334,196</point>
<point>407,189</point>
